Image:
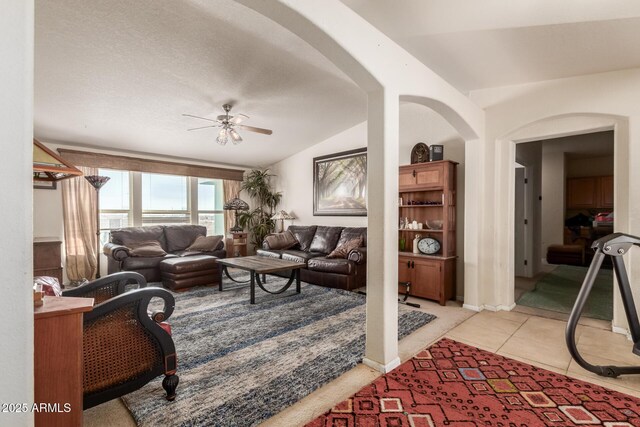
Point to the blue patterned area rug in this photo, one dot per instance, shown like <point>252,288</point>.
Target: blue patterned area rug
<point>241,364</point>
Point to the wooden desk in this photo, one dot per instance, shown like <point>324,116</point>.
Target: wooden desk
<point>58,359</point>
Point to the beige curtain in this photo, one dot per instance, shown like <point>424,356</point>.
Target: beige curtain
<point>230,189</point>
<point>79,211</point>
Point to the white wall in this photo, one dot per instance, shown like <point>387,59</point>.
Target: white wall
<point>592,166</point>
<point>530,155</point>
<point>16,262</point>
<point>553,179</point>
<point>294,175</point>
<point>595,102</point>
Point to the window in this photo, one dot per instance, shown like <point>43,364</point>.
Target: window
<point>115,200</point>
<point>139,199</point>
<point>210,202</point>
<point>165,199</point>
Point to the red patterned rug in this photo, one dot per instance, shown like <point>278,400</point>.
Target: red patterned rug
<point>453,384</point>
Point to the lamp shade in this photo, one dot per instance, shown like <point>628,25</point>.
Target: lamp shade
<point>97,181</point>
<point>282,215</point>
<point>236,204</point>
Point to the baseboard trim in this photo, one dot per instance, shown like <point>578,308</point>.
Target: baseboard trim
<point>621,331</point>
<point>472,307</point>
<point>489,307</point>
<point>380,367</point>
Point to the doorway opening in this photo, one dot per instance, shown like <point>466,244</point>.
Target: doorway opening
<point>563,202</point>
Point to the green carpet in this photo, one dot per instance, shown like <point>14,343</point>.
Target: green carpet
<point>558,290</point>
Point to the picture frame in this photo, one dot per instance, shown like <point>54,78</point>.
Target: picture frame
<point>340,184</point>
<point>45,185</point>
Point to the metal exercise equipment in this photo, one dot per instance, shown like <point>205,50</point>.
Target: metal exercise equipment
<point>614,245</point>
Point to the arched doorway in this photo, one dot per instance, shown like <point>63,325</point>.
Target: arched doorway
<point>549,128</point>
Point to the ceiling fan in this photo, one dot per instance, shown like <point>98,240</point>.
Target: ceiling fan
<point>228,124</point>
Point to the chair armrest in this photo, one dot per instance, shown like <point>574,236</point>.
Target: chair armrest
<point>358,255</point>
<point>121,329</point>
<point>115,251</point>
<point>109,286</point>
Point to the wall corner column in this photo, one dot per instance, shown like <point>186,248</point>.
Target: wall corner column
<point>381,350</point>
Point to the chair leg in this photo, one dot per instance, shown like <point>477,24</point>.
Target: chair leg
<point>170,383</point>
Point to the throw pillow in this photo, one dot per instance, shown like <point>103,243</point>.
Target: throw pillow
<point>343,250</point>
<point>205,243</point>
<point>151,248</point>
<point>284,240</point>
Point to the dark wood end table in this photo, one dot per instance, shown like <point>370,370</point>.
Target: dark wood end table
<point>258,265</point>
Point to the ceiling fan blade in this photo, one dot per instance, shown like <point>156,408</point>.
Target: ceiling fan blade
<point>238,118</point>
<point>198,117</point>
<point>204,127</point>
<point>255,129</point>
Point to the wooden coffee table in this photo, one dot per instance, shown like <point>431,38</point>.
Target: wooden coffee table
<point>261,265</point>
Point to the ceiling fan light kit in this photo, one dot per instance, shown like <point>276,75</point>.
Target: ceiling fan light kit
<point>228,123</point>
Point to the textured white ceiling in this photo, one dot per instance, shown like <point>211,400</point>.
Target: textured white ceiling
<point>488,43</point>
<point>118,74</point>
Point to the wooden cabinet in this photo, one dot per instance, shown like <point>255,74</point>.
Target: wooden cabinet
<point>593,192</point>
<point>428,191</point>
<point>420,178</point>
<point>58,359</point>
<point>237,245</point>
<point>47,260</point>
<point>606,192</point>
<point>431,277</point>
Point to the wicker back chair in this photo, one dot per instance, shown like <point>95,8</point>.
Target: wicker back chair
<point>124,345</point>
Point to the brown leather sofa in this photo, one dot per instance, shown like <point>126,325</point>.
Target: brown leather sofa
<point>315,242</point>
<point>174,239</point>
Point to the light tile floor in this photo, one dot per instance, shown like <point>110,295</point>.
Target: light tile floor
<point>523,336</point>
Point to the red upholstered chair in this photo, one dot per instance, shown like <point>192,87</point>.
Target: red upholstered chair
<point>125,345</point>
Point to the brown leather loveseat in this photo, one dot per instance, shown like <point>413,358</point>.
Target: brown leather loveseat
<point>313,245</point>
<point>174,239</point>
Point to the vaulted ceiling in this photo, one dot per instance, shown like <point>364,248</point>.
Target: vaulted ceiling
<point>118,74</point>
<point>489,43</point>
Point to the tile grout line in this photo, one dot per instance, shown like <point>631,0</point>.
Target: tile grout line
<point>511,336</point>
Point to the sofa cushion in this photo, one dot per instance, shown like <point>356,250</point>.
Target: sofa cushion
<point>269,253</point>
<point>188,264</point>
<point>304,235</point>
<point>179,237</point>
<point>151,248</point>
<point>336,265</point>
<point>341,251</point>
<point>325,239</point>
<point>349,233</point>
<point>141,263</point>
<point>284,240</point>
<point>205,244</point>
<point>299,256</point>
<point>131,235</point>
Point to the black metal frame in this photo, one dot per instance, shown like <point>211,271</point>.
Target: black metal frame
<point>614,245</point>
<point>118,280</point>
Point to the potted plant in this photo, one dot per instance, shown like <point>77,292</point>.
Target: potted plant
<point>257,185</point>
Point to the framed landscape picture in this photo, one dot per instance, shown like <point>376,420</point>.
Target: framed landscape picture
<point>340,184</point>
